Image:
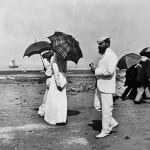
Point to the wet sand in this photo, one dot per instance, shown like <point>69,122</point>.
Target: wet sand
<point>22,129</point>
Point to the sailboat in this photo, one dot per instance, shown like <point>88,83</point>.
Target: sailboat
<point>12,63</point>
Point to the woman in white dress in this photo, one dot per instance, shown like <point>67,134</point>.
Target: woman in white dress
<point>56,103</point>
<point>48,74</point>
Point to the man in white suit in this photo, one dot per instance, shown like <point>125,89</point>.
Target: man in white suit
<point>105,73</point>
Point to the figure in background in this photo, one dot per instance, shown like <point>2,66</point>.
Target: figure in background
<point>130,83</point>
<point>56,103</point>
<point>143,78</point>
<point>105,73</point>
<point>96,103</point>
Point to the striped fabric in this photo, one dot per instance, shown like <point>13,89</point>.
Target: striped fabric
<point>62,50</point>
<point>57,38</point>
<point>66,46</point>
<point>56,41</point>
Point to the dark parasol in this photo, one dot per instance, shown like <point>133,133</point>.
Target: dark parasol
<point>37,48</point>
<point>66,46</point>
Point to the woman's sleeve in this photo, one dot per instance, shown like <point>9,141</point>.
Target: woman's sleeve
<point>48,72</point>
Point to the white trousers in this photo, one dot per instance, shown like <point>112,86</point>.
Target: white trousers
<point>106,101</point>
<point>97,102</point>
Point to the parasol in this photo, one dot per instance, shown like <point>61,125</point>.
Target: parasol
<point>66,46</point>
<point>37,48</point>
<point>128,60</point>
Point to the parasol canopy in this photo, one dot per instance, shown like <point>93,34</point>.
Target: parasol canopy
<point>66,46</point>
<point>37,48</point>
<point>128,60</point>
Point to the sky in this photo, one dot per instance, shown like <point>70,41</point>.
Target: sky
<point>22,22</point>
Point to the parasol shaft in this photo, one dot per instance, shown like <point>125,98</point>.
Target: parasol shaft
<point>43,63</point>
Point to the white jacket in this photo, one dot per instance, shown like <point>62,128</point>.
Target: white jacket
<point>106,72</point>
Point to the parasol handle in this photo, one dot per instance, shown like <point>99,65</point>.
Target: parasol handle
<point>43,63</point>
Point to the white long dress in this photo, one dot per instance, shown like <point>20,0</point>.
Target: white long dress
<point>48,73</point>
<point>56,103</point>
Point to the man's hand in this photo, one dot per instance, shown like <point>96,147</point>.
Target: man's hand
<point>92,66</point>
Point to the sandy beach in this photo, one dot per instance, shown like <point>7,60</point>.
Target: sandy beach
<point>22,129</point>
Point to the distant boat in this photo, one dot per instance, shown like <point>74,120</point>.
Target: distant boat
<point>12,64</point>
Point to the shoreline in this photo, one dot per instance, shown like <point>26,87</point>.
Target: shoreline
<point>78,80</point>
<point>39,71</point>
<point>36,74</point>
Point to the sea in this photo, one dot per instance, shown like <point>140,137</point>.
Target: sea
<point>37,69</point>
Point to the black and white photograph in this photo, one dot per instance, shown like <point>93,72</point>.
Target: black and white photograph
<point>74,75</point>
